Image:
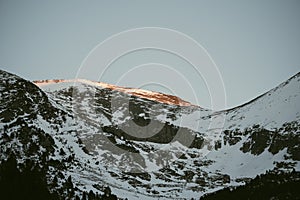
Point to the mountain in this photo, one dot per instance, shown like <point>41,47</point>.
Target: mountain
<point>90,140</point>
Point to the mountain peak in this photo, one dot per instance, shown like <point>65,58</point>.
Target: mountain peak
<point>53,84</point>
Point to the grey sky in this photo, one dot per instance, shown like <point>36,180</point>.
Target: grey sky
<point>255,44</point>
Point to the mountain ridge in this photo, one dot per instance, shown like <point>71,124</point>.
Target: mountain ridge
<point>151,95</point>
<point>263,94</point>
<point>180,102</point>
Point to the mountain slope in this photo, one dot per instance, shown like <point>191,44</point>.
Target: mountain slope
<point>270,110</point>
<point>37,145</point>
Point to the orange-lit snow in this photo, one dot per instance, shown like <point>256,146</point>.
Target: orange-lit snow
<point>146,94</point>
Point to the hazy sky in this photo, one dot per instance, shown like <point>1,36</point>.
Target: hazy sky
<point>255,44</point>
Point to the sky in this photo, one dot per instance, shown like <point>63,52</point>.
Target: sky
<point>254,44</point>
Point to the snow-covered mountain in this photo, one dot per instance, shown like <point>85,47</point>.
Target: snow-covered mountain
<point>144,144</point>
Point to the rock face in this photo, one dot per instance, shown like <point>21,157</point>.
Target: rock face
<point>87,140</point>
